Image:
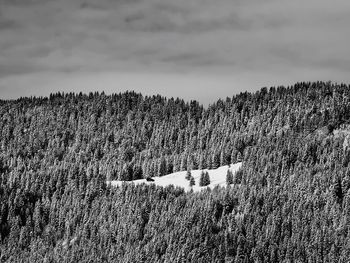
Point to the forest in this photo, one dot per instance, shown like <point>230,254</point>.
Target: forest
<point>290,202</point>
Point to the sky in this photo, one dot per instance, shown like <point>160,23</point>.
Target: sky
<point>193,49</point>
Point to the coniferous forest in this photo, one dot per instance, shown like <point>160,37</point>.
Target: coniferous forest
<point>290,202</point>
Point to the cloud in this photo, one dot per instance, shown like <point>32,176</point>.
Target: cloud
<point>282,40</point>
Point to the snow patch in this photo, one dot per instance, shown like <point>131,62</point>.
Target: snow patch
<point>217,178</point>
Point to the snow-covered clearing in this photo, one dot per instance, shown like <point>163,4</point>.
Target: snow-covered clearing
<point>217,178</point>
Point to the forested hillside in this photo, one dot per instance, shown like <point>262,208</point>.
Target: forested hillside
<point>290,202</point>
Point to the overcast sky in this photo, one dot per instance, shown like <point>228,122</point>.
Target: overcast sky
<point>195,49</point>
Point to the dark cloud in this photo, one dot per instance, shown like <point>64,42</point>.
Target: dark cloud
<point>7,24</point>
<point>18,69</point>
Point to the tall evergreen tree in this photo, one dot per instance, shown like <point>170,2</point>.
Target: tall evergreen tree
<point>229,177</point>
<point>192,181</point>
<point>188,174</point>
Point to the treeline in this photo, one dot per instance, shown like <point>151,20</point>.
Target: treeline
<point>288,203</point>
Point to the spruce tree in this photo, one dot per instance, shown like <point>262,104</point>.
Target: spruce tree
<point>162,167</point>
<point>201,179</point>
<point>229,177</point>
<point>188,174</point>
<point>192,182</point>
<point>204,179</point>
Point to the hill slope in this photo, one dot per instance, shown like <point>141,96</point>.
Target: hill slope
<point>290,201</point>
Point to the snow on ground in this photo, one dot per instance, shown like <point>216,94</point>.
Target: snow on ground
<point>217,177</point>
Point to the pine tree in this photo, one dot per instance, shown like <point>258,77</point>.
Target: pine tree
<point>229,177</point>
<point>201,179</point>
<point>204,179</point>
<point>162,167</point>
<point>215,160</point>
<point>238,176</point>
<point>337,191</point>
<point>192,181</point>
<point>188,174</point>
